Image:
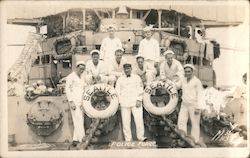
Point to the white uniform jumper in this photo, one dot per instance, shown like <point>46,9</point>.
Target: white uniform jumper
<point>108,48</point>
<point>115,69</point>
<point>95,70</point>
<point>74,91</point>
<point>147,74</point>
<point>129,90</point>
<point>150,50</point>
<point>169,72</point>
<point>191,100</point>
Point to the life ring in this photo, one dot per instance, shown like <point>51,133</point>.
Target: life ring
<point>110,96</point>
<point>169,86</point>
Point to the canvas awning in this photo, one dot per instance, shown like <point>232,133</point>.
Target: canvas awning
<point>219,13</point>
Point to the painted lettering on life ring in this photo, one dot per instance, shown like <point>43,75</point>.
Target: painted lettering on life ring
<point>168,85</point>
<point>171,90</point>
<point>88,94</point>
<point>95,113</point>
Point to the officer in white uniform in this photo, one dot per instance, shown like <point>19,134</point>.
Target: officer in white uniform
<point>191,105</point>
<point>109,45</point>
<point>143,70</point>
<point>130,92</point>
<point>116,65</point>
<point>97,71</point>
<point>171,68</point>
<point>149,49</point>
<point>75,84</point>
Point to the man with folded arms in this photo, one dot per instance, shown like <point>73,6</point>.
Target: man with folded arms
<point>149,49</point>
<point>143,70</point>
<point>171,68</point>
<point>109,45</point>
<point>116,66</point>
<point>97,71</point>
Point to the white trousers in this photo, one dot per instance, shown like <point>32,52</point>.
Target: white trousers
<point>126,122</point>
<point>187,111</point>
<point>78,122</point>
<point>151,72</point>
<point>150,76</point>
<point>150,64</point>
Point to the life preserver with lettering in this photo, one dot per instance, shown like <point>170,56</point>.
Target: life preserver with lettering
<point>96,97</point>
<point>169,86</point>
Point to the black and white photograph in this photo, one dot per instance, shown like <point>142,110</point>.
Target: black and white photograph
<point>124,79</point>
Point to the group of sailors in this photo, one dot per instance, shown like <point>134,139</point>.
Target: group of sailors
<point>129,79</point>
<point>108,65</point>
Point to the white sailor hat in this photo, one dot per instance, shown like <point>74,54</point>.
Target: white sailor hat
<point>139,56</point>
<point>168,52</point>
<point>190,66</point>
<point>80,63</point>
<point>34,84</point>
<point>119,48</point>
<point>95,51</point>
<point>147,28</point>
<point>111,27</point>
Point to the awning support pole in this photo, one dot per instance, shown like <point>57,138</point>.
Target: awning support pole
<point>159,18</point>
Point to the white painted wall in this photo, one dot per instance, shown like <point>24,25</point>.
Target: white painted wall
<point>233,62</point>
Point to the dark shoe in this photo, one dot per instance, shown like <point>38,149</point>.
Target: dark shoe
<point>74,143</point>
<point>144,139</point>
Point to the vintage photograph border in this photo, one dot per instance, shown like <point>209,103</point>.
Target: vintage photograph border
<point>150,153</point>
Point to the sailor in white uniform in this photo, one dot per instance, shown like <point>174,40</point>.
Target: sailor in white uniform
<point>191,105</point>
<point>75,83</point>
<point>171,68</point>
<point>116,66</point>
<point>143,70</point>
<point>129,89</point>
<point>96,69</point>
<point>109,45</point>
<point>149,49</point>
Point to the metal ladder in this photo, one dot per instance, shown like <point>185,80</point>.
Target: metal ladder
<point>23,64</point>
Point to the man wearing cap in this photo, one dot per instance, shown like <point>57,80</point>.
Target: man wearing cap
<point>97,71</point>
<point>191,105</point>
<point>143,70</point>
<point>129,89</point>
<point>171,68</point>
<point>149,49</point>
<point>109,45</point>
<point>116,65</point>
<point>75,83</point>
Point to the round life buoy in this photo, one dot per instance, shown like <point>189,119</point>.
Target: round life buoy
<point>173,98</point>
<point>108,94</point>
